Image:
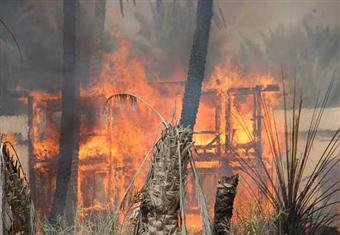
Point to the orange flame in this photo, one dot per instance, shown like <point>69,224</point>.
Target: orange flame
<point>112,147</point>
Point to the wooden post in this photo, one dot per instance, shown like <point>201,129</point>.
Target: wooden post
<point>31,170</point>
<point>227,123</point>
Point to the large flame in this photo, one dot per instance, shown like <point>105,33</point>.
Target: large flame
<point>113,146</point>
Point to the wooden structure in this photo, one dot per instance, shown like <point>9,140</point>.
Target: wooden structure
<point>214,158</point>
<point>221,146</point>
<point>94,170</point>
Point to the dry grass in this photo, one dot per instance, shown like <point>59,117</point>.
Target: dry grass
<point>93,224</point>
<point>260,222</point>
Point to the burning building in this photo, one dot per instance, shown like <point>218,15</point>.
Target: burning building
<point>108,158</point>
<point>112,146</point>
<point>150,64</point>
<point>107,163</point>
<point>97,168</point>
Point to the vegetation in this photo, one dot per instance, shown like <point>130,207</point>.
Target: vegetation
<point>197,62</point>
<point>226,192</point>
<point>94,223</point>
<point>17,210</point>
<point>70,126</point>
<point>166,37</point>
<point>310,51</point>
<point>159,204</point>
<point>163,193</point>
<point>300,204</point>
<point>305,210</point>
<point>259,222</point>
<point>8,29</point>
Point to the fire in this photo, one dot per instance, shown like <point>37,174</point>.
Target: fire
<point>90,148</point>
<point>113,146</point>
<point>8,137</point>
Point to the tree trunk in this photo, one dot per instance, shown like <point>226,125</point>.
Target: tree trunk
<point>98,38</point>
<point>197,62</point>
<point>16,206</point>
<point>226,191</point>
<point>160,197</point>
<point>69,128</point>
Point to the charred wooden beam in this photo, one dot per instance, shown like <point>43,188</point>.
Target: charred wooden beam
<point>218,112</point>
<point>228,140</point>
<point>250,90</point>
<point>226,191</point>
<point>31,170</point>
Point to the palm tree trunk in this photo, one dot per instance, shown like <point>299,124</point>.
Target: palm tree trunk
<point>160,197</point>
<point>16,206</point>
<point>70,117</point>
<point>197,62</point>
<point>226,191</point>
<point>98,38</point>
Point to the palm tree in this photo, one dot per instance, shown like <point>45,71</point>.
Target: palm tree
<point>8,29</point>
<point>197,63</point>
<point>3,64</point>
<point>226,191</point>
<point>16,209</point>
<point>162,195</point>
<point>227,186</point>
<point>68,143</point>
<point>97,50</point>
<point>294,195</point>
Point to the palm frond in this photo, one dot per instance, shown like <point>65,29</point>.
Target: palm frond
<point>181,181</point>
<point>306,210</point>
<point>121,7</point>
<point>201,199</point>
<point>8,29</point>
<point>123,98</point>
